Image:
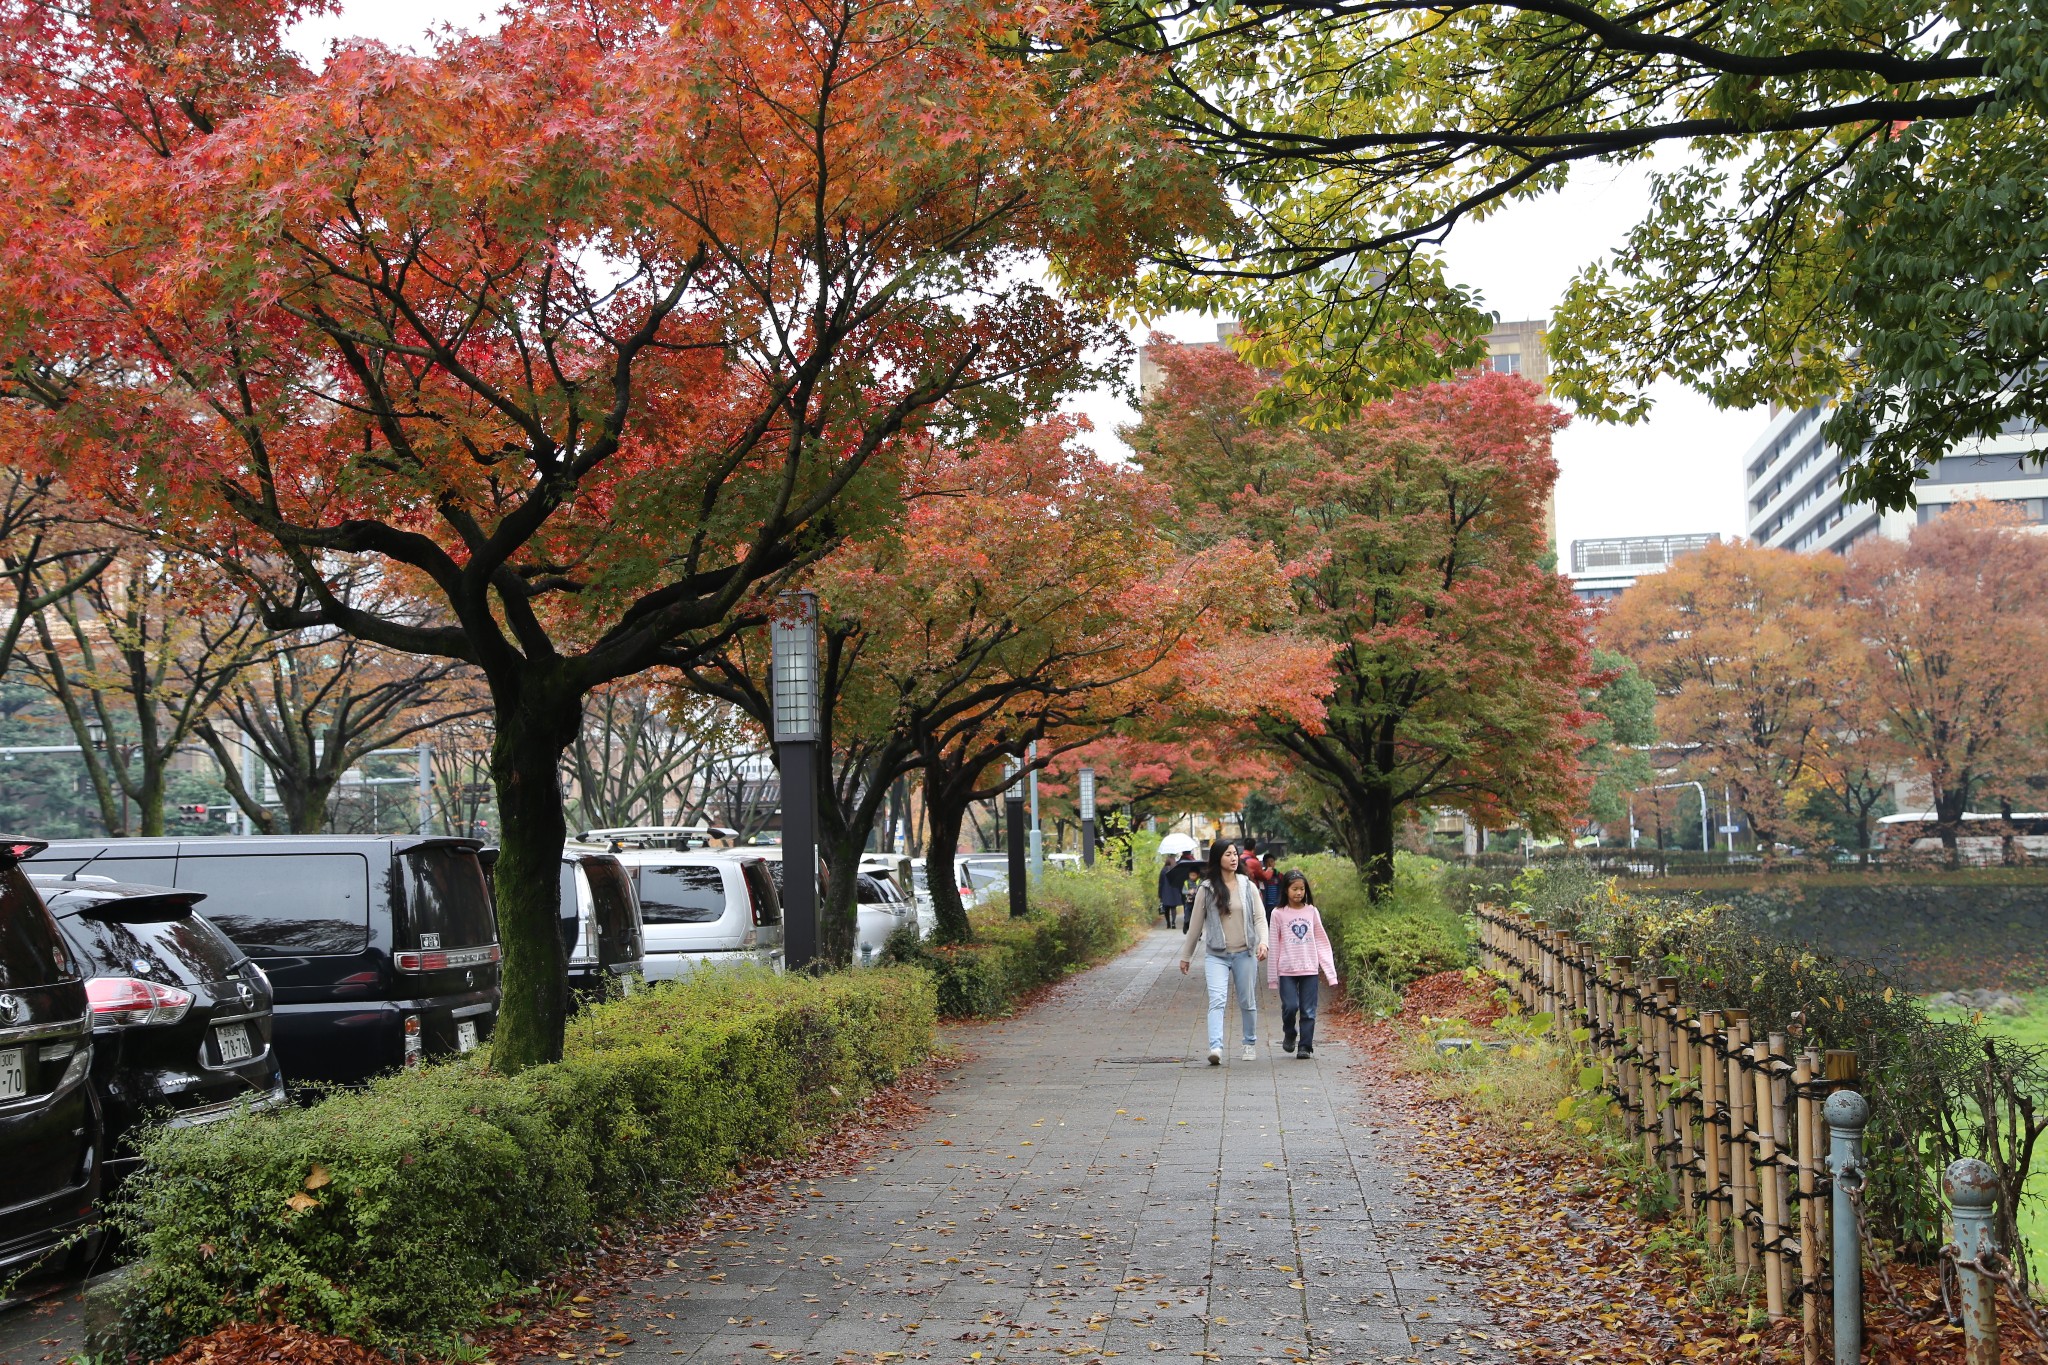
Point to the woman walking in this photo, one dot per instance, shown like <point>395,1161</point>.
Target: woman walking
<point>1228,919</point>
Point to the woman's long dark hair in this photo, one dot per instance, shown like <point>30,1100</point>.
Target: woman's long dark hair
<point>1220,895</point>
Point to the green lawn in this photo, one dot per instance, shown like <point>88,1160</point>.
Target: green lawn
<point>2030,1029</point>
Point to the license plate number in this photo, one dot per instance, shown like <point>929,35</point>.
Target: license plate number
<point>465,1036</point>
<point>13,1075</point>
<point>233,1041</point>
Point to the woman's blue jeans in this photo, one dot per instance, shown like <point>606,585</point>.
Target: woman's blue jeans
<point>1219,970</point>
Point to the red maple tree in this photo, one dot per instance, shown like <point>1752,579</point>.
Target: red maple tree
<point>573,333</point>
<point>1415,536</point>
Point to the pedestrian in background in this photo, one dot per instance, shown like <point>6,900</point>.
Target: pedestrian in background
<point>1261,875</point>
<point>1229,923</point>
<point>1300,961</point>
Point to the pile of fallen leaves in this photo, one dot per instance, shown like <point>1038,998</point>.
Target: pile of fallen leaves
<point>248,1344</point>
<point>1563,1260</point>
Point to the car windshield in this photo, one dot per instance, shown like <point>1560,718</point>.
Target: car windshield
<point>681,895</point>
<point>30,952</point>
<point>872,892</point>
<point>447,904</point>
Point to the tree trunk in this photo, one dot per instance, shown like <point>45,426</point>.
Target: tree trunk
<point>944,820</point>
<point>1370,818</point>
<point>149,795</point>
<point>839,906</point>
<point>1949,807</point>
<point>525,757</point>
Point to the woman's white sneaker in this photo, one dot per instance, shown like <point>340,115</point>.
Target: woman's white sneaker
<point>1251,1052</point>
<point>1215,1056</point>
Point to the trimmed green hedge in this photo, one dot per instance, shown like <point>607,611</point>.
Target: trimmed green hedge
<point>1410,934</point>
<point>398,1213</point>
<point>1076,919</point>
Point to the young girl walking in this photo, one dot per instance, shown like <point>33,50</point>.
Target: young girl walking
<point>1301,951</point>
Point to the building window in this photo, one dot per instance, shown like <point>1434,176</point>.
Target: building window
<point>1508,362</point>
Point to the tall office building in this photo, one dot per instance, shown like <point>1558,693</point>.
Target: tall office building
<point>1793,481</point>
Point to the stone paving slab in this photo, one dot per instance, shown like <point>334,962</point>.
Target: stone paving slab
<point>1090,1188</point>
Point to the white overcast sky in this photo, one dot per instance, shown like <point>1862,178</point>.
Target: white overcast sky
<point>1678,472</point>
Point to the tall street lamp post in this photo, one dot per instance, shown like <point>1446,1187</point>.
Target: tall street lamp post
<point>1088,817</point>
<point>1013,810</point>
<point>794,672</point>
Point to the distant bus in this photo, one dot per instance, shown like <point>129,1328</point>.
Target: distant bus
<point>1916,832</point>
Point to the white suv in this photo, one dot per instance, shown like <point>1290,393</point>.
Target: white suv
<point>703,907</point>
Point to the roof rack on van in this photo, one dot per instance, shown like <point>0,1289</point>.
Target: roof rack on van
<point>660,836</point>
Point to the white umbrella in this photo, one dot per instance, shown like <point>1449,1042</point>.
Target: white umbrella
<point>1173,845</point>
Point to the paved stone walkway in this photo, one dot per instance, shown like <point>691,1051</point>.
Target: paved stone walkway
<point>1090,1187</point>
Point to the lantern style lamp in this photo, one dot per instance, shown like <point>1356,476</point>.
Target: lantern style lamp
<point>1013,809</point>
<point>1088,817</point>
<point>793,686</point>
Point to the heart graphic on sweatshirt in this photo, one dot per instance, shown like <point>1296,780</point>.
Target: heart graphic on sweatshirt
<point>1299,929</point>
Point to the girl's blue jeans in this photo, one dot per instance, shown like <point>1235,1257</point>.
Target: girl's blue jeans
<point>1220,970</point>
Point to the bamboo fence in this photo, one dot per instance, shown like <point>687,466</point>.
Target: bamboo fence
<point>1732,1119</point>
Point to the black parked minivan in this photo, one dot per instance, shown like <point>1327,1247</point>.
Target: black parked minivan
<point>49,1125</point>
<point>382,950</point>
<point>181,1018</point>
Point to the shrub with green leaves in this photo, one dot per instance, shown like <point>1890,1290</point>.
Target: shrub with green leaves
<point>1076,919</point>
<point>396,1214</point>
<point>1411,933</point>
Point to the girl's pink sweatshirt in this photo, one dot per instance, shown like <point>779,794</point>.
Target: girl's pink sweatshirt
<point>1300,947</point>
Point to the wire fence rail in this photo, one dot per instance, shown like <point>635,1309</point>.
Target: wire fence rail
<point>1760,1138</point>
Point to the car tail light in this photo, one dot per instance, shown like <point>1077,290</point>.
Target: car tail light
<point>437,959</point>
<point>124,1001</point>
<point>414,1045</point>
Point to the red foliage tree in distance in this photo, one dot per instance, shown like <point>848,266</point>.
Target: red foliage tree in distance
<point>575,332</point>
<point>1029,593</point>
<point>1415,533</point>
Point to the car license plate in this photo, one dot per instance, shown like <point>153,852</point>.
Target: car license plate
<point>233,1042</point>
<point>13,1075</point>
<point>465,1036</point>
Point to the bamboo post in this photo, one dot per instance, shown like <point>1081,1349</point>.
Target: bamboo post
<point>1621,1025</point>
<point>1646,1069</point>
<point>1767,1200</point>
<point>1687,1066</point>
<point>1782,1164</point>
<point>1809,1224</point>
<point>1539,985</point>
<point>1739,1168</point>
<point>1713,1125</point>
<point>1667,1074</point>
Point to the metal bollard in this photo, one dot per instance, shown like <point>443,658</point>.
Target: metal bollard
<point>1846,1113</point>
<point>1972,1189</point>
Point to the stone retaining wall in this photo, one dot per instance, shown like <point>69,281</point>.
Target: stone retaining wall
<point>1933,933</point>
